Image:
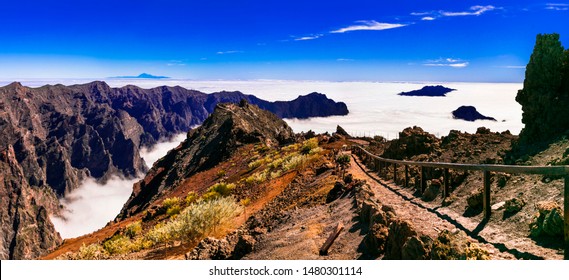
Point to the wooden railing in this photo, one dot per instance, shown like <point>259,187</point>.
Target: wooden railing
<point>380,163</point>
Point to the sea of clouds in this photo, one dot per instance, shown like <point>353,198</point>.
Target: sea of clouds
<point>375,109</point>
<point>92,205</point>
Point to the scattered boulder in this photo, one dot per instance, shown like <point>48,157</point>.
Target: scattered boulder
<point>514,205</point>
<point>457,246</point>
<point>412,141</point>
<point>335,193</point>
<point>245,245</point>
<point>211,249</point>
<point>233,247</point>
<point>417,248</point>
<point>548,221</point>
<point>375,239</point>
<point>432,190</point>
<point>341,131</point>
<point>400,231</point>
<point>475,200</point>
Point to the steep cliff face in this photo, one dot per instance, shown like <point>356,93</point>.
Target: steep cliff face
<point>60,135</point>
<point>229,127</point>
<point>27,231</point>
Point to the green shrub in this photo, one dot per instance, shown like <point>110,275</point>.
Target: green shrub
<point>260,176</point>
<point>196,221</point>
<point>169,202</point>
<point>315,151</point>
<point>308,145</point>
<point>250,180</point>
<point>290,148</point>
<point>133,229</point>
<point>343,160</point>
<point>276,163</point>
<point>221,174</point>
<point>174,210</point>
<point>157,235</point>
<point>294,162</point>
<point>222,188</point>
<point>90,252</point>
<point>191,198</point>
<point>276,174</point>
<point>256,163</point>
<point>118,245</point>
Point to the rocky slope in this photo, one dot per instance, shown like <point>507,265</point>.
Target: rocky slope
<point>228,128</point>
<point>62,134</point>
<point>526,215</point>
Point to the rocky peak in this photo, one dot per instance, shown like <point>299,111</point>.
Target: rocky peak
<point>15,85</point>
<point>412,141</point>
<point>229,127</point>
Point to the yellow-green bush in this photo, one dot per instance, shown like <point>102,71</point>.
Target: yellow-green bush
<point>90,252</point>
<point>256,163</point>
<point>293,162</point>
<point>315,151</point>
<point>276,174</point>
<point>174,210</point>
<point>133,229</point>
<point>276,163</point>
<point>157,235</point>
<point>191,198</point>
<point>196,221</point>
<point>290,148</point>
<point>250,180</point>
<point>169,202</point>
<point>308,145</point>
<point>118,245</point>
<point>218,190</point>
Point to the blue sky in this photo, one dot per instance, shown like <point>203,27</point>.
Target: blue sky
<point>427,40</point>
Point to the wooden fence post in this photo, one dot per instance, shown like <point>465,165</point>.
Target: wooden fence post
<point>406,176</point>
<point>566,217</point>
<point>446,183</point>
<point>423,180</point>
<point>395,173</point>
<point>486,195</point>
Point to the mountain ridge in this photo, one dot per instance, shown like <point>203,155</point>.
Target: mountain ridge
<point>62,135</point>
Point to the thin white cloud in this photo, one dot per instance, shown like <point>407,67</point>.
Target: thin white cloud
<point>446,62</point>
<point>306,38</point>
<point>369,25</point>
<point>344,59</point>
<point>428,18</point>
<point>474,11</point>
<point>420,13</point>
<point>228,52</point>
<point>453,65</point>
<point>557,6</point>
<point>512,67</point>
<point>176,63</point>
